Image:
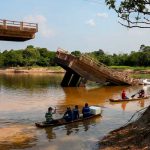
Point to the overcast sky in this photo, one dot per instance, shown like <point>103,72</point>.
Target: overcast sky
<point>84,25</point>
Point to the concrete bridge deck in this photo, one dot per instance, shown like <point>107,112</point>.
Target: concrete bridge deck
<point>83,68</point>
<point>17,31</point>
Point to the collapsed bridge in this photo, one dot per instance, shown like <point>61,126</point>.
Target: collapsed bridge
<point>17,31</point>
<point>83,68</point>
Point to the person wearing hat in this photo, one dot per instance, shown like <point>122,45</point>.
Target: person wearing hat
<point>49,114</point>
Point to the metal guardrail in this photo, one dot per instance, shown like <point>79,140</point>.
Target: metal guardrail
<point>4,24</point>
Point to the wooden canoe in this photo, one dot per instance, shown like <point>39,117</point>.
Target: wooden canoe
<point>59,122</point>
<point>126,100</point>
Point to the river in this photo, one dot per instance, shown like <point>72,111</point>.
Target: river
<point>24,99</point>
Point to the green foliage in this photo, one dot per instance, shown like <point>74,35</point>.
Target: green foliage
<point>1,60</point>
<point>13,58</point>
<point>132,13</point>
<point>76,53</point>
<point>32,56</point>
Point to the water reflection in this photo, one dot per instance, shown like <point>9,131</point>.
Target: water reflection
<point>17,137</point>
<point>141,103</point>
<point>50,133</point>
<point>123,105</point>
<point>83,126</point>
<point>24,99</point>
<point>29,81</point>
<point>72,129</point>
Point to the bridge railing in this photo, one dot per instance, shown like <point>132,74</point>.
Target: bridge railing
<point>25,26</point>
<point>62,54</point>
<point>105,69</point>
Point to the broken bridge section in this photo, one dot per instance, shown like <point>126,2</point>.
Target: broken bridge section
<point>17,31</point>
<point>83,68</point>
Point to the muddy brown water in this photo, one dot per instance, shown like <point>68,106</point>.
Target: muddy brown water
<point>24,99</point>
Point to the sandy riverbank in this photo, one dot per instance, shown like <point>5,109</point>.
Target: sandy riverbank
<point>32,70</point>
<point>59,70</point>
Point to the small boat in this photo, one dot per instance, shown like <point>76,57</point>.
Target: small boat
<point>59,122</point>
<point>96,112</point>
<point>131,99</point>
<point>146,81</point>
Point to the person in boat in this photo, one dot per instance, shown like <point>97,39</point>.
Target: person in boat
<point>75,112</point>
<point>68,116</point>
<point>141,94</point>
<point>123,95</point>
<point>49,115</point>
<point>86,111</point>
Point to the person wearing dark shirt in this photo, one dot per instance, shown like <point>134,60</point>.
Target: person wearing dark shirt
<point>86,111</point>
<point>68,114</point>
<point>75,113</point>
<point>141,94</point>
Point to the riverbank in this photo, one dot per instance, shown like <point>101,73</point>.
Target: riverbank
<point>133,136</point>
<point>32,70</point>
<point>129,70</point>
<point>133,72</point>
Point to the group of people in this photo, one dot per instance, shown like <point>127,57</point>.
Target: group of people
<point>69,115</point>
<point>141,94</point>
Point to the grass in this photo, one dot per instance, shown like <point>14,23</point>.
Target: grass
<point>129,67</point>
<point>141,76</point>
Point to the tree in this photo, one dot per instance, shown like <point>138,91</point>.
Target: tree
<point>31,56</point>
<point>76,53</point>
<point>1,60</point>
<point>12,58</point>
<point>132,13</point>
<point>106,59</point>
<point>146,49</point>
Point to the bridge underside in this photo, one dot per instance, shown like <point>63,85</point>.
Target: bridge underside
<point>15,36</point>
<point>71,78</point>
<point>17,31</point>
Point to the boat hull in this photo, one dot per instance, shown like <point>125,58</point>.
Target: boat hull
<point>60,122</point>
<point>126,100</point>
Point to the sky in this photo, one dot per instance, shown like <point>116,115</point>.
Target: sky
<point>85,25</point>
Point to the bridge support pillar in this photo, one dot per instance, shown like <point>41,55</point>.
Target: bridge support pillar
<point>75,80</point>
<point>66,80</point>
<point>71,80</point>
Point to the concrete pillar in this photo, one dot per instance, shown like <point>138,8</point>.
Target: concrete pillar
<point>82,82</point>
<point>21,25</point>
<point>66,80</point>
<point>5,24</point>
<point>75,80</point>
